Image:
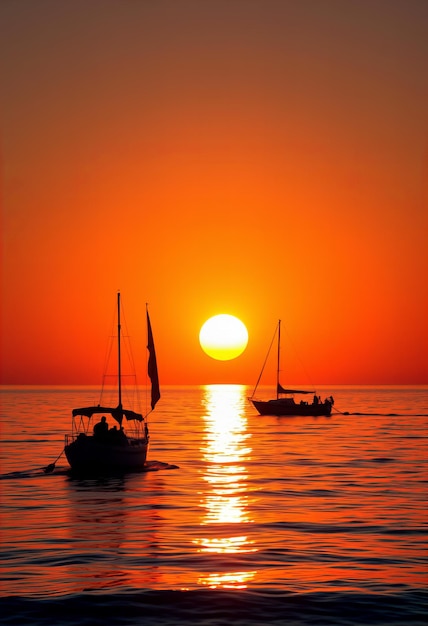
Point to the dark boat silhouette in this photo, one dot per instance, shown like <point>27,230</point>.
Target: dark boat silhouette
<point>284,403</point>
<point>96,448</point>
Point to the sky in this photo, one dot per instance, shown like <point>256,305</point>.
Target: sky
<point>266,159</point>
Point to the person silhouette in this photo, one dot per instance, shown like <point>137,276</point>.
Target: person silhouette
<point>101,428</point>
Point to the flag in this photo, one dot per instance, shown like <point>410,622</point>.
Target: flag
<point>152,367</point>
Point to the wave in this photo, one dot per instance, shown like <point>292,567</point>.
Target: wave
<point>218,608</point>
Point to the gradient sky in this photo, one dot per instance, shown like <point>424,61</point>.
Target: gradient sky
<point>262,158</point>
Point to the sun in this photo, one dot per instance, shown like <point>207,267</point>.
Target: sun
<point>223,337</point>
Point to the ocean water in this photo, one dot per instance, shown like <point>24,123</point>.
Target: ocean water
<point>239,519</point>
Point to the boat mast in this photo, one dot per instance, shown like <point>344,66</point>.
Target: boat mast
<point>119,373</point>
<point>278,359</point>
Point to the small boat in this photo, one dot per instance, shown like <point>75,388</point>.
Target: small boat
<point>284,403</point>
<point>96,448</point>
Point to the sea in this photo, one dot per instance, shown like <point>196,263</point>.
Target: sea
<point>238,519</point>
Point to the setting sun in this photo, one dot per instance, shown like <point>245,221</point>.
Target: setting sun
<point>223,337</point>
<point>226,194</point>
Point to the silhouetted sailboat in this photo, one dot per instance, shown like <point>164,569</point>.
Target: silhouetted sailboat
<point>98,449</point>
<point>284,403</point>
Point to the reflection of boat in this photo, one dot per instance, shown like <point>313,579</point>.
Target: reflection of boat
<point>96,448</point>
<point>284,403</point>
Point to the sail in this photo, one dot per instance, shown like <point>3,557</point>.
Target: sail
<point>280,389</point>
<point>152,365</point>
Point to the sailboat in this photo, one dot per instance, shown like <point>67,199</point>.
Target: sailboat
<point>284,403</point>
<point>96,448</point>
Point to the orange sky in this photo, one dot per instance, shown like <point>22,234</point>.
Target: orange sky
<point>262,158</point>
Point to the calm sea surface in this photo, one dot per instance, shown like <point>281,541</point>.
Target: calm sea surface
<point>240,519</point>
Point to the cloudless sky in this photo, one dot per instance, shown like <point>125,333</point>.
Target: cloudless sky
<point>262,158</point>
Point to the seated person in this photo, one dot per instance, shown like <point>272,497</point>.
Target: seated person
<point>117,437</point>
<point>101,428</point>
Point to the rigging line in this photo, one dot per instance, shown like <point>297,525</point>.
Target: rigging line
<point>336,410</point>
<point>265,361</point>
<point>133,395</point>
<point>302,365</point>
<point>108,352</point>
<point>50,468</point>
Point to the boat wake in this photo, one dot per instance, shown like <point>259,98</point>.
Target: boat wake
<point>151,466</point>
<point>20,475</point>
<point>384,414</point>
<point>155,466</point>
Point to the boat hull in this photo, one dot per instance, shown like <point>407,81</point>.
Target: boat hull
<point>87,455</point>
<point>283,407</point>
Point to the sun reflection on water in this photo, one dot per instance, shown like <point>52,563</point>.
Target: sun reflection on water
<point>225,502</point>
